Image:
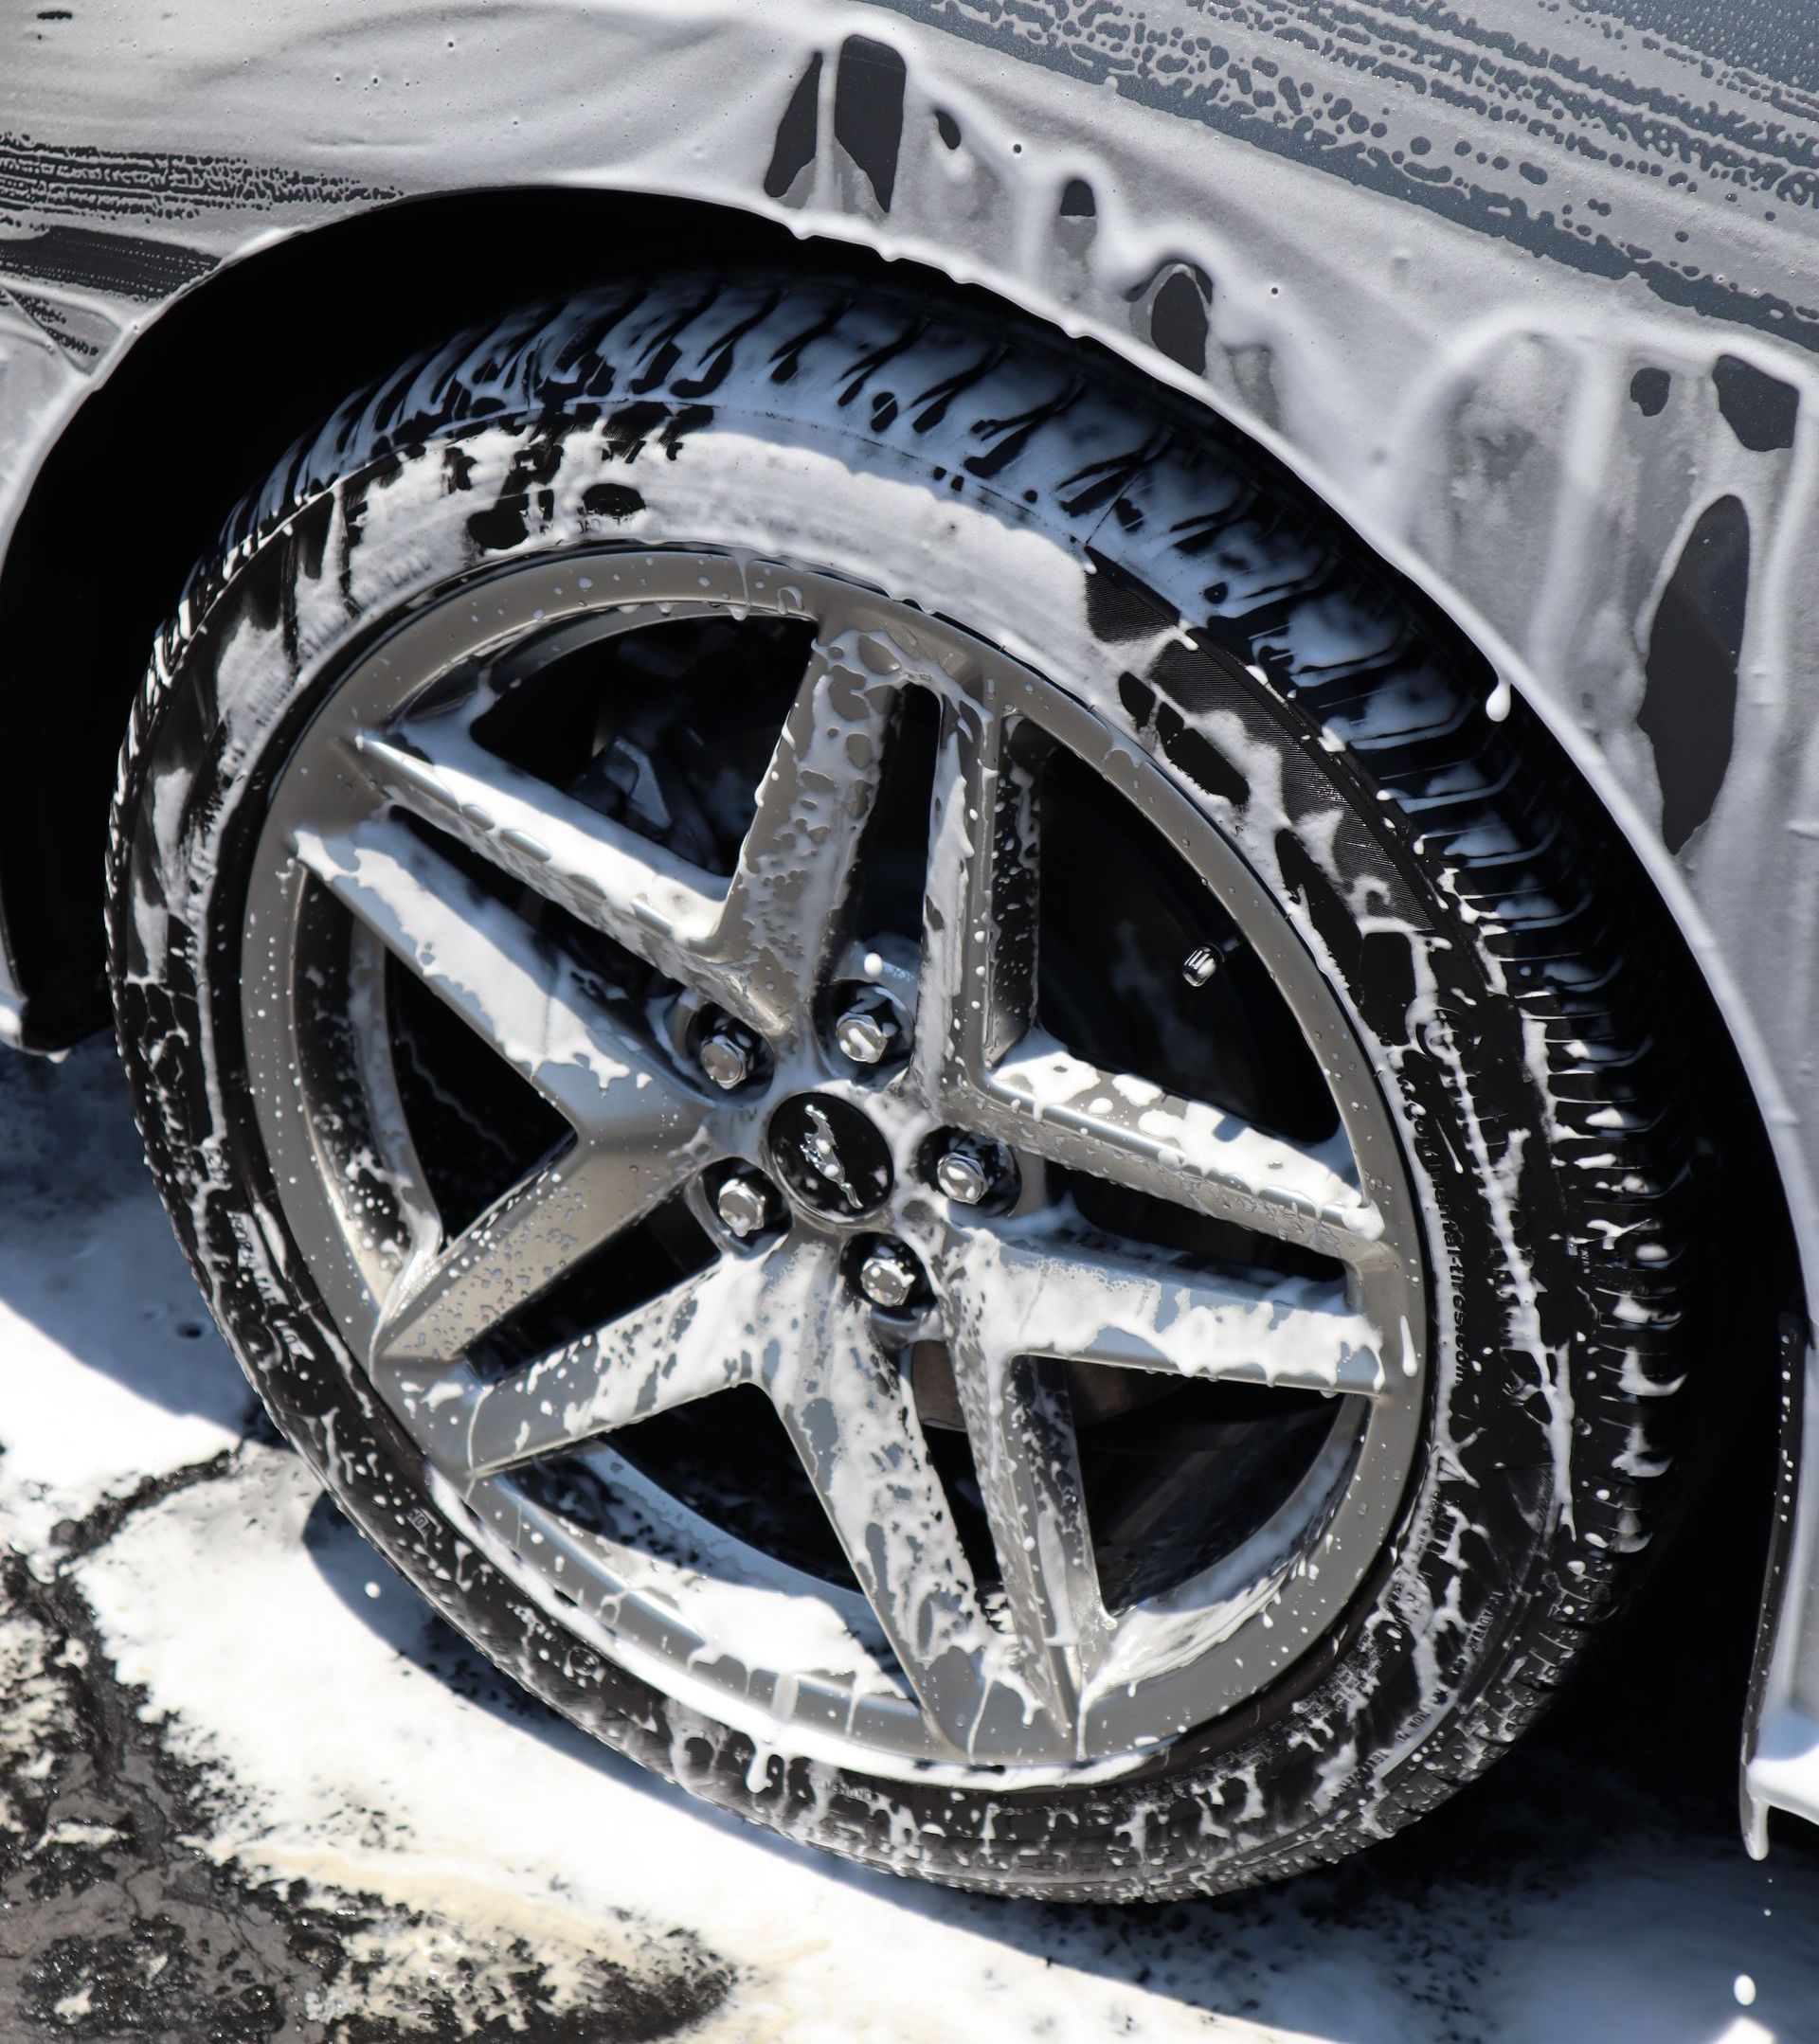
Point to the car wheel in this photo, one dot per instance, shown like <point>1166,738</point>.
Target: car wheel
<point>875,1050</point>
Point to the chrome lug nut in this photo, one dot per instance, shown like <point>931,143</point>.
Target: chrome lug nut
<point>728,1055</point>
<point>972,1170</point>
<point>961,1176</point>
<point>744,1203</point>
<point>888,1277</point>
<point>871,1026</point>
<point>864,1037</point>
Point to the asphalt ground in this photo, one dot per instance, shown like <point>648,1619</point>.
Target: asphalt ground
<point>251,1790</point>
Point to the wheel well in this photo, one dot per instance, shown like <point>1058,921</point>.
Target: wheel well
<point>201,407</point>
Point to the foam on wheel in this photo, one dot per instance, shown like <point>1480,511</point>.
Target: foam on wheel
<point>1303,997</point>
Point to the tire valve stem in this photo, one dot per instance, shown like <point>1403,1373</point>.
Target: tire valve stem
<point>1200,964</point>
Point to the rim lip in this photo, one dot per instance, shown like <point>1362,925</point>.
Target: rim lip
<point>869,1734</point>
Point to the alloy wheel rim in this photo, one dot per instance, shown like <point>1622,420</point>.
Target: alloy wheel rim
<point>393,833</point>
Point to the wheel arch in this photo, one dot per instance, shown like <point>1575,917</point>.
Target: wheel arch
<point>200,403</point>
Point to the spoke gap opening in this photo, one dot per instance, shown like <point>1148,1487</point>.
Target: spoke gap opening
<point>1178,1475</point>
<point>886,898</point>
<point>478,1127</point>
<point>666,728</point>
<point>729,1460</point>
<point>950,1453</point>
<point>1120,914</point>
<point>625,1272</point>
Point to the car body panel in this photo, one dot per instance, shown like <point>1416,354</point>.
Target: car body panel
<point>1526,294</point>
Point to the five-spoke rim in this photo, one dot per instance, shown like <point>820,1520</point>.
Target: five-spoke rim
<point>394,832</point>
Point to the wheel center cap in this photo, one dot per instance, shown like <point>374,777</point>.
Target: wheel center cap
<point>830,1156</point>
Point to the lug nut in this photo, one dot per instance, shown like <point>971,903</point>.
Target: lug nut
<point>888,1275</point>
<point>728,1054</point>
<point>862,1037</point>
<point>870,1026</point>
<point>743,1203</point>
<point>961,1174</point>
<point>972,1170</point>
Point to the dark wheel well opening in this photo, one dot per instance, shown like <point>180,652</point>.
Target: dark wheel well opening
<point>202,406</point>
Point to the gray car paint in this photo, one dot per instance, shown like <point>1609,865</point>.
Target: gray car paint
<point>1527,293</point>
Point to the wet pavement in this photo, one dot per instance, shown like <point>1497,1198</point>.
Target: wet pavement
<point>251,1790</point>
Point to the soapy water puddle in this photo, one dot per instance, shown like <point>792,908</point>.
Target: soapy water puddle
<point>251,1790</point>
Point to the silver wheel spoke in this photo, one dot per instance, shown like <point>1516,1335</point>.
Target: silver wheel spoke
<point>701,1336</point>
<point>850,1411</point>
<point>1134,1134</point>
<point>750,945</point>
<point>978,919</point>
<point>1020,1426</point>
<point>638,1134</point>
<point>544,1015</point>
<point>536,1234</point>
<point>779,926</point>
<point>625,885</point>
<point>1120,1307</point>
<point>1003,1075</point>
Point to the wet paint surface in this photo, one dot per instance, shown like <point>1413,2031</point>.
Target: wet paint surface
<point>1461,401</point>
<point>250,1789</point>
<point>1513,120</point>
<point>1204,190</point>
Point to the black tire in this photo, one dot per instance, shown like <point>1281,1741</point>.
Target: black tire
<point>1461,906</point>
